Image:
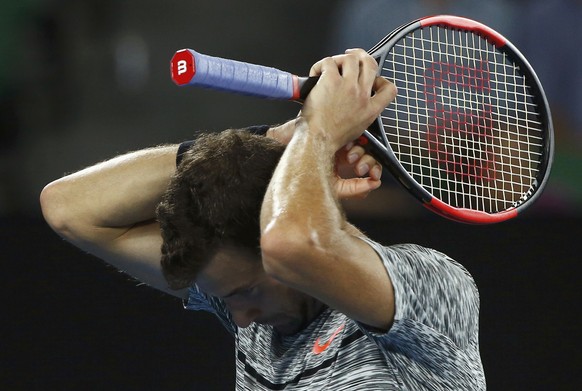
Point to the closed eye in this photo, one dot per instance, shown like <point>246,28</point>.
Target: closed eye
<point>242,291</point>
<point>248,291</point>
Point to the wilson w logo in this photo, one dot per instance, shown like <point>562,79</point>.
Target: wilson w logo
<point>460,120</point>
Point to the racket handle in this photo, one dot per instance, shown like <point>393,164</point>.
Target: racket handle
<point>192,68</point>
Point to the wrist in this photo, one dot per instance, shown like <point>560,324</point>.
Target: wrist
<point>321,133</point>
<point>318,135</point>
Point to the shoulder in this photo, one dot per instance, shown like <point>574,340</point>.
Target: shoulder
<point>427,270</point>
<point>433,290</point>
<point>418,262</point>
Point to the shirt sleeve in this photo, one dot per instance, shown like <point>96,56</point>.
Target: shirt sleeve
<point>433,293</point>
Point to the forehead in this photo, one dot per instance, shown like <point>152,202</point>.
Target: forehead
<point>229,269</point>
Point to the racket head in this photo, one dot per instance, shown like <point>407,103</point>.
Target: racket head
<point>470,132</point>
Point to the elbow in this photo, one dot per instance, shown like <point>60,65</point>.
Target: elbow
<point>54,207</point>
<point>286,250</point>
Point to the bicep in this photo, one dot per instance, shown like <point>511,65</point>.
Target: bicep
<point>135,250</point>
<point>349,277</point>
<point>359,285</point>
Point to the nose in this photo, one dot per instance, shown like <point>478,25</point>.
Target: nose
<point>244,317</point>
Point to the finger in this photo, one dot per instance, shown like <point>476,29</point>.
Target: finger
<point>376,172</point>
<point>358,51</point>
<point>365,164</point>
<point>349,65</point>
<point>385,92</point>
<point>355,153</point>
<point>356,187</point>
<point>324,65</point>
<point>368,68</point>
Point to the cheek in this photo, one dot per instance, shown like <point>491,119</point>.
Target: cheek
<point>274,294</point>
<point>281,298</point>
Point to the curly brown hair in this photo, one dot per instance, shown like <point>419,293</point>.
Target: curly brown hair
<point>214,200</point>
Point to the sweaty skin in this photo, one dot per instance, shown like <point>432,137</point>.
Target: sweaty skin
<point>306,242</point>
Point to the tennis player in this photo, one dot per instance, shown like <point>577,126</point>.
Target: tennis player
<point>252,230</point>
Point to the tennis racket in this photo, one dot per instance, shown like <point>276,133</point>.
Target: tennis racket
<point>470,133</point>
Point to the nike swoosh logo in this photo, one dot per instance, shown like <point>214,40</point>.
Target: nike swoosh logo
<point>319,348</point>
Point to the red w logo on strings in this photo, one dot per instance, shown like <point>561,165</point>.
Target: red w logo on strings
<point>460,120</point>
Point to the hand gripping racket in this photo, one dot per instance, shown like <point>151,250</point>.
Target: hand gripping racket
<point>470,133</point>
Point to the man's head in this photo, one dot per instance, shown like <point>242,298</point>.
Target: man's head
<point>238,278</point>
<point>209,219</point>
<point>214,201</point>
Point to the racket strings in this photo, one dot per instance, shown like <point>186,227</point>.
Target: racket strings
<point>464,125</point>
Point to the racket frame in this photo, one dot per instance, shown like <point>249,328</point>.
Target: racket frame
<point>374,139</point>
<point>383,152</point>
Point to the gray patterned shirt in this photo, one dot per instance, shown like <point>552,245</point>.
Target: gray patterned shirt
<point>432,344</point>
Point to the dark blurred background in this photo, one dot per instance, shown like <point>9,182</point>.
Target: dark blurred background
<point>85,80</point>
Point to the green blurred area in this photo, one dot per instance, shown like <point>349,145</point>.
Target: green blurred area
<point>16,17</point>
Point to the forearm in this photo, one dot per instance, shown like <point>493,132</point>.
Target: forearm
<point>300,202</point>
<point>114,194</point>
<point>308,245</point>
<point>305,241</point>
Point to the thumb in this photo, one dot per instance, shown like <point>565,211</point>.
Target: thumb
<point>355,188</point>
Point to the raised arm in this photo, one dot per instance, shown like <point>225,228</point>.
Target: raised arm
<point>108,210</point>
<point>306,241</point>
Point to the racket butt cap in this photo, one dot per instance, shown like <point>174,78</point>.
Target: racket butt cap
<point>183,67</point>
